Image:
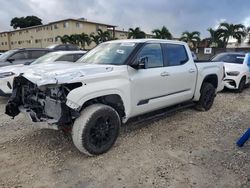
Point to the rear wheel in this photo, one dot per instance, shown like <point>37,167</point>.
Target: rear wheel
<point>241,85</point>
<point>96,130</point>
<point>207,97</point>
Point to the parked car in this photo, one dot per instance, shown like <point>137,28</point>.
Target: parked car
<point>111,84</point>
<point>8,73</point>
<point>236,69</point>
<point>1,53</point>
<point>21,56</point>
<point>64,47</point>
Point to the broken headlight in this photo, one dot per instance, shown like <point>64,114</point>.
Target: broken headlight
<point>73,105</point>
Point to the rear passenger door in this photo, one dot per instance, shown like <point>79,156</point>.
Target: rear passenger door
<point>181,72</point>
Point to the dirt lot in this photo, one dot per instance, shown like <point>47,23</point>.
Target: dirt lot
<point>187,149</point>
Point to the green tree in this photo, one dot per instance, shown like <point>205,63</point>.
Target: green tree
<point>136,33</point>
<point>23,22</point>
<point>214,40</point>
<point>192,38</point>
<point>103,35</point>
<point>226,30</point>
<point>84,39</point>
<point>162,33</point>
<point>64,39</point>
<point>95,39</point>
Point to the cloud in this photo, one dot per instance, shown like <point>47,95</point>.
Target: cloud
<point>177,16</point>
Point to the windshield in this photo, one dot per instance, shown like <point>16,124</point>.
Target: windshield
<point>230,58</point>
<point>50,57</point>
<point>109,53</point>
<point>6,55</point>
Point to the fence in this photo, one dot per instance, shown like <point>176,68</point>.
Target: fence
<point>201,56</point>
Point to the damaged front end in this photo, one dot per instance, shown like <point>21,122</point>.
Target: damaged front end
<point>42,104</point>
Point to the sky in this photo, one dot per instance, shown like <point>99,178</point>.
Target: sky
<point>176,15</point>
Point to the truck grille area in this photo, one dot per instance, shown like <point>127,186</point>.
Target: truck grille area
<point>42,105</point>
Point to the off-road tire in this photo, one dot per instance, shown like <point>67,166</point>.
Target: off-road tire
<point>242,85</point>
<point>207,97</point>
<point>96,121</point>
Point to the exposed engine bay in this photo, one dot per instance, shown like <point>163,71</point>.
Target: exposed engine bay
<point>42,104</point>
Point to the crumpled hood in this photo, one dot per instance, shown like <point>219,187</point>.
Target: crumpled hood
<point>13,68</point>
<point>59,73</point>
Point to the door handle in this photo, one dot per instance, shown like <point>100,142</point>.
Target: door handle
<point>164,74</point>
<point>191,70</point>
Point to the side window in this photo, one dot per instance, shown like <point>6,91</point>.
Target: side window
<point>36,54</point>
<point>69,57</point>
<point>152,54</point>
<point>77,56</point>
<point>20,55</point>
<point>71,47</point>
<point>176,54</point>
<point>61,47</point>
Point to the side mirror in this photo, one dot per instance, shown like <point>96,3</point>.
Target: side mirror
<point>141,63</point>
<point>10,60</point>
<point>28,63</point>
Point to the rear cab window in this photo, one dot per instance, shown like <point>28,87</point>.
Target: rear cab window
<point>175,54</point>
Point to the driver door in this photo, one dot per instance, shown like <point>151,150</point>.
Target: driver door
<point>148,84</point>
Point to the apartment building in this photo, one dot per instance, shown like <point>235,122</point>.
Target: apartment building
<point>121,34</point>
<point>44,35</point>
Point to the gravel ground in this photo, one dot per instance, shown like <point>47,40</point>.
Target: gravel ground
<point>187,149</point>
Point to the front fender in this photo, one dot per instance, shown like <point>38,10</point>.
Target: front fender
<point>85,93</point>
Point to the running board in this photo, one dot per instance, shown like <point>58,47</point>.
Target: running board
<point>160,113</point>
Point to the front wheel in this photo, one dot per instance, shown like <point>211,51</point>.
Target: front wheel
<point>207,97</point>
<point>96,130</point>
<point>241,85</point>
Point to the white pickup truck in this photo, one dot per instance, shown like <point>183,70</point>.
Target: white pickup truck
<point>112,83</point>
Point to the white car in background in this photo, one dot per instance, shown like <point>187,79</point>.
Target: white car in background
<point>8,73</point>
<point>237,67</point>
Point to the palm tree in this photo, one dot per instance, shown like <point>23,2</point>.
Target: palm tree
<point>75,39</point>
<point>162,33</point>
<point>136,33</point>
<point>226,30</point>
<point>213,40</point>
<point>84,39</point>
<point>64,39</point>
<point>192,38</point>
<point>103,35</point>
<point>95,39</point>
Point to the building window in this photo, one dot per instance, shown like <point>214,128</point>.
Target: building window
<point>2,43</point>
<point>55,26</point>
<point>66,24</point>
<point>20,33</point>
<point>12,43</point>
<point>97,27</point>
<point>6,43</point>
<point>79,25</point>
